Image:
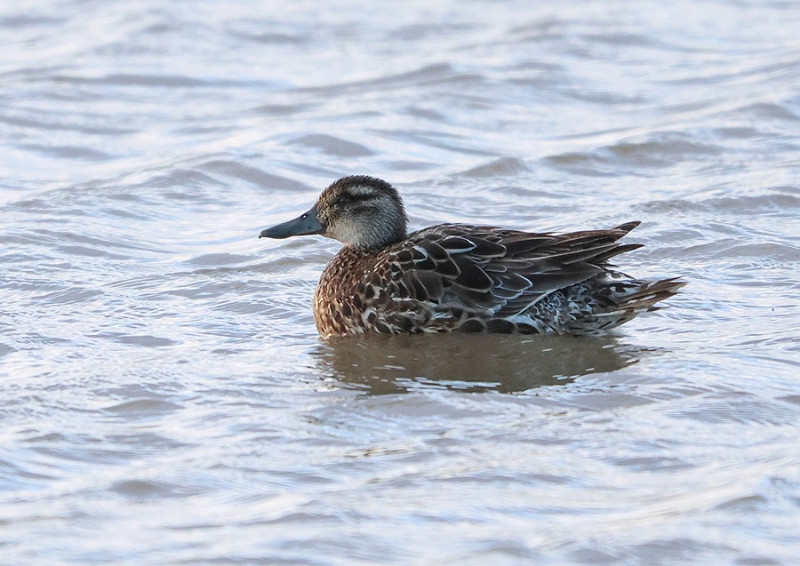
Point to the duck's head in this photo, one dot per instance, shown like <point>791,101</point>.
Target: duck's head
<point>358,211</point>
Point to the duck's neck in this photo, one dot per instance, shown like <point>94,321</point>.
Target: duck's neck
<point>375,241</point>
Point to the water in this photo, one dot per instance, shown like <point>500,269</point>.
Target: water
<point>165,398</point>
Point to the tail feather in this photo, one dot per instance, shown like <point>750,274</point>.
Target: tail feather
<point>624,305</point>
<point>652,293</point>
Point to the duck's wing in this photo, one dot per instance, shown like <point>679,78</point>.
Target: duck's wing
<point>495,271</point>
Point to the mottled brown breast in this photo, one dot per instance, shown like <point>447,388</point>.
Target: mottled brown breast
<point>362,291</point>
<point>338,305</point>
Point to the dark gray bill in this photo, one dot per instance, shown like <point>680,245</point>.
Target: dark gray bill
<point>306,223</point>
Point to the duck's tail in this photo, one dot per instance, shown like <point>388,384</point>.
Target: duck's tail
<point>617,300</point>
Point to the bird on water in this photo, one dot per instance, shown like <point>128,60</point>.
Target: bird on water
<point>461,277</point>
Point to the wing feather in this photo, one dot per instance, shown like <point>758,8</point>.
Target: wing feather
<point>453,267</point>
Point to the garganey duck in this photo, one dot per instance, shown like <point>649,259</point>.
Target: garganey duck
<point>462,277</point>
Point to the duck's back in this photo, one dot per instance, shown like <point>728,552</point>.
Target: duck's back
<point>484,279</point>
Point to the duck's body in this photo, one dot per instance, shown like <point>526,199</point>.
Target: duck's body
<point>463,277</point>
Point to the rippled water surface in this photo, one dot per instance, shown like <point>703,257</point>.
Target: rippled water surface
<point>165,398</point>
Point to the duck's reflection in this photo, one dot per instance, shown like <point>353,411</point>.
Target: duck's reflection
<point>465,362</point>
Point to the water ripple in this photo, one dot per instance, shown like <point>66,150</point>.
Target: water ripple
<point>160,359</point>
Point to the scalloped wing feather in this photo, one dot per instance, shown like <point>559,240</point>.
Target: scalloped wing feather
<point>499,271</point>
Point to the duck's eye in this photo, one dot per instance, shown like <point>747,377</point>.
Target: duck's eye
<point>344,199</point>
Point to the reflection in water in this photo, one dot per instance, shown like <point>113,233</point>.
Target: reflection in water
<point>465,362</point>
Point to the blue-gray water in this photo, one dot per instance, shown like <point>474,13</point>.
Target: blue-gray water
<point>164,396</point>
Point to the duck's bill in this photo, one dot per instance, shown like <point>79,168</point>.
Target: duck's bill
<point>306,223</point>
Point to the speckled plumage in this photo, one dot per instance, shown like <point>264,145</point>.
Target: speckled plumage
<point>463,277</point>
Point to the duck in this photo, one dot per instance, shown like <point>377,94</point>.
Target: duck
<point>463,277</point>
